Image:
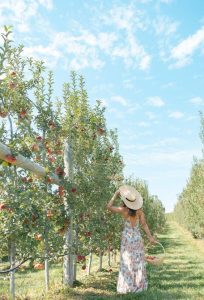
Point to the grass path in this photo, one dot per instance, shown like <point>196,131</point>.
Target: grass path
<point>180,277</point>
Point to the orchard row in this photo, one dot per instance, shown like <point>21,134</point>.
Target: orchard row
<point>70,140</point>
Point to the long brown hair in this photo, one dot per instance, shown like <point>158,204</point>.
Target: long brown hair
<point>131,212</point>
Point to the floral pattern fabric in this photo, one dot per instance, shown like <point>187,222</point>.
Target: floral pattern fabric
<point>132,274</point>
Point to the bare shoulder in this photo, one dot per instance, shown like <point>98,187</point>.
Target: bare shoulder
<point>140,212</point>
<point>124,211</point>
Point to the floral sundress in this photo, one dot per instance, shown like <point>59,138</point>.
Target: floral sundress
<point>132,274</point>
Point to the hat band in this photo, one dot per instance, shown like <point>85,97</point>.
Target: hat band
<point>124,198</point>
<point>130,200</point>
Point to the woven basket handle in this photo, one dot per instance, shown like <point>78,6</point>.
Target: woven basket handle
<point>161,246</point>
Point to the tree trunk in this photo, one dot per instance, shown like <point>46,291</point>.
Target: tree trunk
<point>115,256</point>
<point>12,264</point>
<point>109,257</point>
<point>68,245</point>
<point>46,262</point>
<point>68,259</point>
<point>89,264</point>
<point>100,261</point>
<point>25,163</point>
<point>76,252</point>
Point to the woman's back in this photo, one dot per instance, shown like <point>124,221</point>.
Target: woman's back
<point>132,274</point>
<point>134,220</point>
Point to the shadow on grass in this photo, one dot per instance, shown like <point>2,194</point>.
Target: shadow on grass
<point>172,280</point>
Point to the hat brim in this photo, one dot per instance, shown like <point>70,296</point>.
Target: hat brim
<point>131,197</point>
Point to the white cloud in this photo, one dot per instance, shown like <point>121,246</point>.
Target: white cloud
<point>197,100</point>
<point>104,102</point>
<point>49,54</point>
<point>84,48</point>
<point>156,101</point>
<point>150,115</point>
<point>166,1</point>
<point>119,100</point>
<point>127,16</point>
<point>176,115</point>
<point>22,14</point>
<point>165,26</point>
<point>145,62</point>
<point>127,20</point>
<point>168,85</point>
<point>105,41</point>
<point>157,158</point>
<point>183,52</point>
<point>191,118</point>
<point>131,109</point>
<point>143,124</point>
<point>132,52</point>
<point>46,3</point>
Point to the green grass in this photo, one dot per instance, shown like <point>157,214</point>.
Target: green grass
<point>180,277</point>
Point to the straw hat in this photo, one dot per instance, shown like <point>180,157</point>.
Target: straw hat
<point>131,197</point>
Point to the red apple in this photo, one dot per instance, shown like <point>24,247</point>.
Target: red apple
<point>59,152</point>
<point>3,114</point>
<point>49,214</point>
<point>38,237</point>
<point>34,217</point>
<point>49,180</point>
<point>9,209</point>
<point>61,190</point>
<point>81,258</point>
<point>39,266</point>
<point>12,85</point>
<point>88,233</point>
<point>51,124</point>
<point>100,131</point>
<point>38,158</point>
<point>73,190</point>
<point>62,231</point>
<point>10,158</point>
<point>81,216</point>
<point>59,171</point>
<point>39,138</point>
<point>49,151</point>
<point>26,221</point>
<point>13,73</point>
<point>24,179</point>
<point>51,159</point>
<point>35,147</point>
<point>3,206</point>
<point>23,113</point>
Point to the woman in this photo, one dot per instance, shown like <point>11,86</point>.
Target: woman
<point>132,274</point>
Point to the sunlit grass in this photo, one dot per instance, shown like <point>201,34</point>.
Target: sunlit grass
<point>180,277</point>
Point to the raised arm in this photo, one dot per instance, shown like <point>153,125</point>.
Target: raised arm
<point>112,208</point>
<point>145,227</point>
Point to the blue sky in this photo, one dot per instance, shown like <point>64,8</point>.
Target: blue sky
<point>143,59</point>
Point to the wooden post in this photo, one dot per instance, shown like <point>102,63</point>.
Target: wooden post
<point>68,238</point>
<point>100,260</point>
<point>47,277</point>
<point>115,256</point>
<point>25,163</point>
<point>76,251</point>
<point>89,264</point>
<point>109,257</point>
